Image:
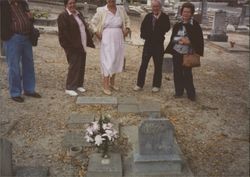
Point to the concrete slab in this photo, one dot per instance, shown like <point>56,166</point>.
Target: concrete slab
<point>226,46</point>
<point>150,109</point>
<point>74,139</point>
<point>127,100</point>
<point>32,171</point>
<point>97,100</point>
<point>98,169</point>
<point>127,108</point>
<point>79,121</point>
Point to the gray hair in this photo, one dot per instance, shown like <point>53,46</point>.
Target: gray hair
<point>158,1</point>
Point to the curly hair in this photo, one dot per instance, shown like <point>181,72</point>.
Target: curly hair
<point>189,6</point>
<point>66,2</point>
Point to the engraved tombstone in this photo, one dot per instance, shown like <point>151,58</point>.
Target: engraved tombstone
<point>155,137</point>
<point>158,153</point>
<point>218,32</point>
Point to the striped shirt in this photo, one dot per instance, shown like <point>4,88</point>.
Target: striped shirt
<point>20,21</point>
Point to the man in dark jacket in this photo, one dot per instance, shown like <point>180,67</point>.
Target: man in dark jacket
<point>153,29</point>
<point>15,31</point>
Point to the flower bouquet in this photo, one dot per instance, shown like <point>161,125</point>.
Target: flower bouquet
<point>101,133</point>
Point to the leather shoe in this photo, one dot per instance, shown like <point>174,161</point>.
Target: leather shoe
<point>34,95</point>
<point>18,99</point>
<point>178,96</point>
<point>192,98</point>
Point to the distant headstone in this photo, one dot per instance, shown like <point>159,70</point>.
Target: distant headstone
<point>118,1</point>
<point>158,153</point>
<point>218,32</point>
<point>126,5</point>
<point>167,65</point>
<point>6,168</point>
<point>204,20</point>
<point>85,9</point>
<point>111,169</point>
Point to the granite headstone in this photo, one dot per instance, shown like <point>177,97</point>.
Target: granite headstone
<point>218,32</point>
<point>157,153</point>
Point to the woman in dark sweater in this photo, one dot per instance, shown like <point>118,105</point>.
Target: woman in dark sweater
<point>186,36</point>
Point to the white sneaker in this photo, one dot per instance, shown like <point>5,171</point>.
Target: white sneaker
<point>71,92</point>
<point>155,89</point>
<point>81,89</point>
<point>137,88</point>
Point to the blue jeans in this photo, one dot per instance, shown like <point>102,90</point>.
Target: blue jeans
<point>21,72</point>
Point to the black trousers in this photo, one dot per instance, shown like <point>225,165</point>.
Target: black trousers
<point>183,77</point>
<point>157,52</point>
<point>76,60</point>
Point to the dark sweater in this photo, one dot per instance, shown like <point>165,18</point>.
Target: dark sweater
<point>6,20</point>
<point>69,32</point>
<point>195,35</point>
<point>156,36</point>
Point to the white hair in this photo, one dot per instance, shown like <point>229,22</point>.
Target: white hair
<point>158,1</point>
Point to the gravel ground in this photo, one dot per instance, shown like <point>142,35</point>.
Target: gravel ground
<point>213,132</point>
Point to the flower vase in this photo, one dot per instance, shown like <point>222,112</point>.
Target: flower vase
<point>105,155</point>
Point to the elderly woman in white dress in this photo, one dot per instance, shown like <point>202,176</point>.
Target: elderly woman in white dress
<point>111,24</point>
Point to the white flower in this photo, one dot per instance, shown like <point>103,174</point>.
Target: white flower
<point>107,126</point>
<point>95,126</point>
<point>110,134</point>
<point>89,139</point>
<point>90,130</point>
<point>98,140</point>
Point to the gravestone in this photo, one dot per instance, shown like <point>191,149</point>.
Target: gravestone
<point>85,9</point>
<point>111,169</point>
<point>118,2</point>
<point>6,168</point>
<point>157,153</point>
<point>204,19</point>
<point>167,65</point>
<point>218,32</point>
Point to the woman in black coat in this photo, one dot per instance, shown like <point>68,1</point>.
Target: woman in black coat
<point>186,37</point>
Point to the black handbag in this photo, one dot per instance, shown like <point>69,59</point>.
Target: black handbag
<point>34,35</point>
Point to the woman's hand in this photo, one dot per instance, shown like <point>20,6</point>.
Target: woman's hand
<point>126,32</point>
<point>98,35</point>
<point>184,41</point>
